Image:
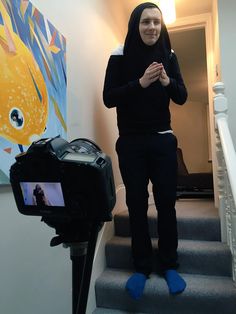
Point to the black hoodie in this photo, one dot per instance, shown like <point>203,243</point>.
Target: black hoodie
<point>142,110</point>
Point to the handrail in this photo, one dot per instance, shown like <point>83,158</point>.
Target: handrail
<point>229,152</point>
<point>226,157</point>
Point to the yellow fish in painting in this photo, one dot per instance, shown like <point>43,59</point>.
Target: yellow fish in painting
<point>23,92</point>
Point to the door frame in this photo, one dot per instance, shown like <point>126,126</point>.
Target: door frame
<point>204,21</point>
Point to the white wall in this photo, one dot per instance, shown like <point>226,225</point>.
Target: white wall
<point>227,36</point>
<point>35,278</point>
<point>217,69</point>
<point>93,28</point>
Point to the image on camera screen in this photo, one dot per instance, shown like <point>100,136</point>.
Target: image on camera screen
<point>42,193</point>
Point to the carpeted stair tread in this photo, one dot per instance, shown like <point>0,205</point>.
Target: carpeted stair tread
<point>205,264</point>
<point>198,257</point>
<point>110,311</point>
<point>203,295</point>
<point>197,220</point>
<point>195,208</point>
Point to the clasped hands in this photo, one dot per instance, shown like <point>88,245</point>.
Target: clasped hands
<point>154,72</point>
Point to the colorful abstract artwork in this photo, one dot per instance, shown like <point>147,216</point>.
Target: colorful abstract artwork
<point>32,80</point>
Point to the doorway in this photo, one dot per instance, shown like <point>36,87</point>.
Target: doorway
<point>191,121</point>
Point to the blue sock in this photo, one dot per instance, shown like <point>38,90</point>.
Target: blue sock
<point>175,282</point>
<point>135,285</point>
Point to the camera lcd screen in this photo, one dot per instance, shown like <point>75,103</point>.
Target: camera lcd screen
<point>42,194</point>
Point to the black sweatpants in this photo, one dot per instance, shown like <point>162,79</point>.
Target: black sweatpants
<point>143,158</point>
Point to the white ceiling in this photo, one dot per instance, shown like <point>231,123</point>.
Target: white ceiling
<point>183,7</point>
<point>192,7</point>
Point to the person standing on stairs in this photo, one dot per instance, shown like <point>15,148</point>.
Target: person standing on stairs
<point>141,78</point>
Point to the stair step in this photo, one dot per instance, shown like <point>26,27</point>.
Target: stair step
<point>203,295</point>
<point>197,220</point>
<point>110,311</point>
<point>197,257</point>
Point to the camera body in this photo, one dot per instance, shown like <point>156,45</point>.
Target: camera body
<point>57,179</point>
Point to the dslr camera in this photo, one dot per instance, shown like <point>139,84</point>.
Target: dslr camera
<point>67,181</point>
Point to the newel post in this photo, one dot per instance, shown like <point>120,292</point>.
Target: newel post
<point>220,101</point>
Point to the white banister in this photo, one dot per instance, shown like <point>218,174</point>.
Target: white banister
<point>229,152</point>
<point>226,157</point>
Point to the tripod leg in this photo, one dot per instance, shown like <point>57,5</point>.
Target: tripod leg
<point>78,257</point>
<point>84,289</point>
<point>77,275</point>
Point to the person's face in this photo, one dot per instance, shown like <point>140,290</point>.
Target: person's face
<point>38,187</point>
<point>150,26</point>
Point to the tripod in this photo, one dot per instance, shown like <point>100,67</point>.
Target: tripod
<point>82,254</point>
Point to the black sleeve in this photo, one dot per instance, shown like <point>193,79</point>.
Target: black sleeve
<point>115,91</point>
<point>176,89</point>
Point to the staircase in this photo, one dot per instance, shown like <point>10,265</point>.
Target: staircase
<point>205,264</point>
